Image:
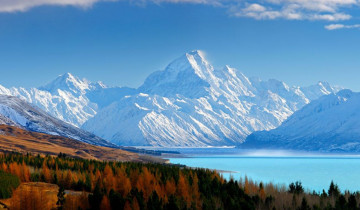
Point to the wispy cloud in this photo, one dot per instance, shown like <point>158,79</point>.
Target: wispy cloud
<point>341,26</point>
<point>24,5</point>
<point>325,10</point>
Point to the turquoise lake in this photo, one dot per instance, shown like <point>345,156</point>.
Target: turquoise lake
<point>315,172</point>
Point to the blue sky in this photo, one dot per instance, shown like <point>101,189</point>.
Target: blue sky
<point>121,42</point>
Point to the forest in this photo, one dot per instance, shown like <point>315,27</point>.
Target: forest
<point>47,182</point>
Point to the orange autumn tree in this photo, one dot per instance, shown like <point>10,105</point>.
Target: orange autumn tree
<point>123,184</point>
<point>105,203</point>
<point>182,189</point>
<point>147,183</point>
<point>46,173</point>
<point>170,187</point>
<point>108,178</point>
<point>68,180</point>
<point>25,172</point>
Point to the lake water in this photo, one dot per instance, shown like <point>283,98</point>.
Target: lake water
<point>315,171</point>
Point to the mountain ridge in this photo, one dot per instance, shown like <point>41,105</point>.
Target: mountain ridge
<point>329,123</point>
<point>16,112</point>
<point>190,103</point>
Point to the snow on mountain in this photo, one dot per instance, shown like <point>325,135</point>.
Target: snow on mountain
<point>185,76</point>
<point>331,123</point>
<point>68,82</point>
<point>191,103</point>
<point>65,98</point>
<point>17,112</point>
<point>320,89</point>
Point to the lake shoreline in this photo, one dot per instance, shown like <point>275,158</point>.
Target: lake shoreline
<point>315,172</point>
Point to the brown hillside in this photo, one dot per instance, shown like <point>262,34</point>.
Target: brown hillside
<point>13,139</point>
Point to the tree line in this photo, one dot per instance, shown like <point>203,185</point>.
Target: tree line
<point>151,186</point>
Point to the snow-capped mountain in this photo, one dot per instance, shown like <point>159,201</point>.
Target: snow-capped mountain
<point>69,98</point>
<point>64,98</point>
<point>331,123</point>
<point>17,112</point>
<point>191,103</point>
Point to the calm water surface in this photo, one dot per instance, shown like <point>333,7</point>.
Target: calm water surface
<point>315,172</point>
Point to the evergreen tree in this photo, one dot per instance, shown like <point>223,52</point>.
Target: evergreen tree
<point>296,188</point>
<point>333,190</point>
<point>352,203</point>
<point>304,204</point>
<point>61,198</point>
<point>96,197</point>
<point>172,204</point>
<point>87,183</point>
<point>154,202</point>
<point>116,200</point>
<point>340,203</point>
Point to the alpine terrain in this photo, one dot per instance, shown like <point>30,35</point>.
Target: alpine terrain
<point>192,104</point>
<point>189,104</point>
<point>18,113</point>
<point>330,123</point>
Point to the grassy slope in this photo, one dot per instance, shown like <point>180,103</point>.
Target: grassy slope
<point>18,140</point>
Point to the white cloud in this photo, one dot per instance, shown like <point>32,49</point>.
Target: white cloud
<point>341,26</point>
<point>327,10</point>
<point>255,8</point>
<point>24,5</point>
<point>323,10</point>
<point>317,5</point>
<point>330,17</point>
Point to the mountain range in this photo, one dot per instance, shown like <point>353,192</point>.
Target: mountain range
<point>192,104</point>
<point>188,104</point>
<point>330,123</point>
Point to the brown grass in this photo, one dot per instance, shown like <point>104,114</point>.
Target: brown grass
<point>13,139</point>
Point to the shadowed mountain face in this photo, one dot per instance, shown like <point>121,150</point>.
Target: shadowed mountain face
<point>330,123</point>
<point>16,112</point>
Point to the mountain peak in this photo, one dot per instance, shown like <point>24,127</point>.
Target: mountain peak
<point>67,75</point>
<point>193,61</point>
<point>187,75</point>
<point>67,82</point>
<point>197,53</point>
<point>198,56</point>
